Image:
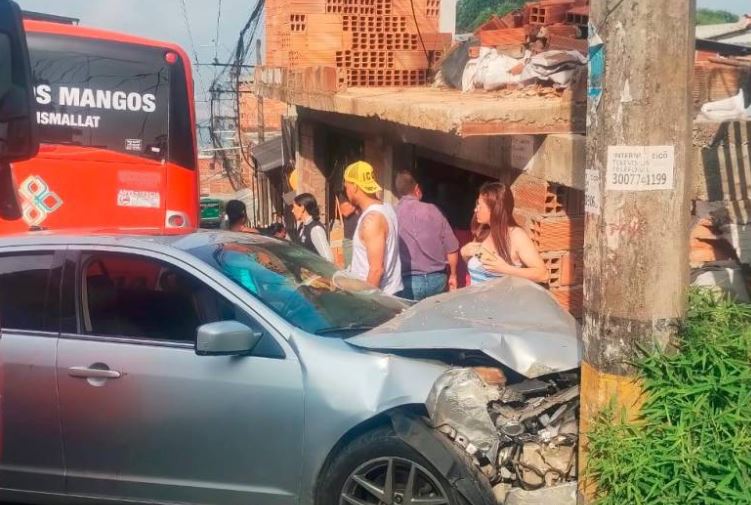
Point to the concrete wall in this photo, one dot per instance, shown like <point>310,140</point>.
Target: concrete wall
<point>447,19</point>
<point>558,158</point>
<point>310,177</point>
<point>273,110</point>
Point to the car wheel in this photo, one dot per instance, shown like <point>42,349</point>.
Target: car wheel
<point>380,468</point>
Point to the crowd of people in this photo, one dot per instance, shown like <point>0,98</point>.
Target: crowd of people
<point>409,250</point>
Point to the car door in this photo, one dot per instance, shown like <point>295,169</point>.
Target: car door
<point>145,418</point>
<point>31,453</point>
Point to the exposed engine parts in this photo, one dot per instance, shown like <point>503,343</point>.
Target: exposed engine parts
<point>522,435</point>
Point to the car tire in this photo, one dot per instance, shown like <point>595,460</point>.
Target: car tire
<point>359,471</point>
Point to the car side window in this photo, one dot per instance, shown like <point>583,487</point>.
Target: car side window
<point>27,298</point>
<point>125,295</point>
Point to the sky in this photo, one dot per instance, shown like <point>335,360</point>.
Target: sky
<point>165,20</point>
<point>739,7</point>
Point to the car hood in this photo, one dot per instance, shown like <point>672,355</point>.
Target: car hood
<point>513,321</point>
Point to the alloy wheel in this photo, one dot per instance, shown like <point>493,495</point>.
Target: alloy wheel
<point>392,481</point>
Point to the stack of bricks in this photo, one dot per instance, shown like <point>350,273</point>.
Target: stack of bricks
<point>548,12</point>
<point>557,24</point>
<point>374,43</point>
<point>553,215</point>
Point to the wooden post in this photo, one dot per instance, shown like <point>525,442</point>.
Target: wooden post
<point>638,174</point>
<point>261,118</point>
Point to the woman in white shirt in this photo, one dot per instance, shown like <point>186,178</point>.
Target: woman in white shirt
<point>311,234</point>
<point>500,246</point>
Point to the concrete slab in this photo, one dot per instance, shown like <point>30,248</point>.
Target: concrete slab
<point>444,110</point>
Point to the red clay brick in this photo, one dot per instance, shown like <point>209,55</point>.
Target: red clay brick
<point>556,233</point>
<point>506,36</point>
<point>538,196</point>
<point>565,268</point>
<point>570,298</point>
<point>568,44</point>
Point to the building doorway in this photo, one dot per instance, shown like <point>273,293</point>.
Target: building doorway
<point>451,189</point>
<point>341,150</point>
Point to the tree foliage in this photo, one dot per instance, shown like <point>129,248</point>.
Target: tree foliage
<point>714,17</point>
<point>472,13</point>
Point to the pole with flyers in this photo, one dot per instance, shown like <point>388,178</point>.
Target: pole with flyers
<point>639,130</point>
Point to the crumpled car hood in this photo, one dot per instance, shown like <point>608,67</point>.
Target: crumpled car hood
<point>514,321</point>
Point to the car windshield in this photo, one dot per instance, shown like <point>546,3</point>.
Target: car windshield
<point>301,287</point>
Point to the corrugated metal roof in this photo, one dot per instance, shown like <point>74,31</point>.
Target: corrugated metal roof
<point>268,155</point>
<point>723,31</point>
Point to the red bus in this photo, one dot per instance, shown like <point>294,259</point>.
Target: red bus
<point>116,122</point>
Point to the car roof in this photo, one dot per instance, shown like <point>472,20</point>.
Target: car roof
<point>142,239</point>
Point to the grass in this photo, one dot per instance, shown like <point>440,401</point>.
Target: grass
<point>692,443</point>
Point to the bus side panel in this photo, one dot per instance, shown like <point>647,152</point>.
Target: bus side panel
<point>73,193</point>
<point>182,194</point>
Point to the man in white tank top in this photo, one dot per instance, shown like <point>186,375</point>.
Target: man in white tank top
<point>375,245</point>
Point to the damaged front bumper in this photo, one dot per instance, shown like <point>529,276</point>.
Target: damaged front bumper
<point>523,437</point>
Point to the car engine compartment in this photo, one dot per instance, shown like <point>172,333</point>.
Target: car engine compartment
<point>523,436</point>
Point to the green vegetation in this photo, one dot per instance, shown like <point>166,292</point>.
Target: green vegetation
<point>713,17</point>
<point>692,445</point>
<point>472,13</point>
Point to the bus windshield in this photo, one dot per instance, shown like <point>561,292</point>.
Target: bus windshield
<point>111,95</point>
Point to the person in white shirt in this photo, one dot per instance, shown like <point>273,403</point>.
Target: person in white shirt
<point>311,234</point>
<point>375,245</point>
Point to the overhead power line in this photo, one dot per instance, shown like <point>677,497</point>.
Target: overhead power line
<point>186,19</point>
<point>216,35</point>
<point>227,82</point>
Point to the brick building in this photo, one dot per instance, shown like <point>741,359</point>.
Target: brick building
<point>531,138</point>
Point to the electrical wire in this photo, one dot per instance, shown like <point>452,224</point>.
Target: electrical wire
<point>241,52</point>
<point>186,19</point>
<point>419,32</point>
<point>216,36</point>
<point>231,74</point>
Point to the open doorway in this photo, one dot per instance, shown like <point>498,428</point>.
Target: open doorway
<point>454,191</point>
<point>341,150</point>
<point>451,189</point>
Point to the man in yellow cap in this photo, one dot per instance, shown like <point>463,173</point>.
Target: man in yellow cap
<point>375,245</point>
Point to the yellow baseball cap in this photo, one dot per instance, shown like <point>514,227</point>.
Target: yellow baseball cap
<point>360,173</point>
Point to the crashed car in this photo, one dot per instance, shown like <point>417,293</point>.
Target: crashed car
<point>225,368</point>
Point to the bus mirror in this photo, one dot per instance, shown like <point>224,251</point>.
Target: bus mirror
<point>18,135</point>
<point>9,208</point>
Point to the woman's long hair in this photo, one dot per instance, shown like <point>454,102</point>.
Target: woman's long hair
<point>500,200</point>
<point>309,203</point>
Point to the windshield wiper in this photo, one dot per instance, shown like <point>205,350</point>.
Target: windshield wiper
<point>342,329</point>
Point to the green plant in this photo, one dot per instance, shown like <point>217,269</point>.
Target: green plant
<point>714,17</point>
<point>472,13</point>
<point>692,442</point>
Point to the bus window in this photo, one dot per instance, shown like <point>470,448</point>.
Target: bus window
<point>107,95</point>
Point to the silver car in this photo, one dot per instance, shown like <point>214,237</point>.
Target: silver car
<point>228,368</point>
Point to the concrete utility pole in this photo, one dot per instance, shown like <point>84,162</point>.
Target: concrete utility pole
<point>638,173</point>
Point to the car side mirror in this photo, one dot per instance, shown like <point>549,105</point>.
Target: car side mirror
<point>18,131</point>
<point>226,338</point>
